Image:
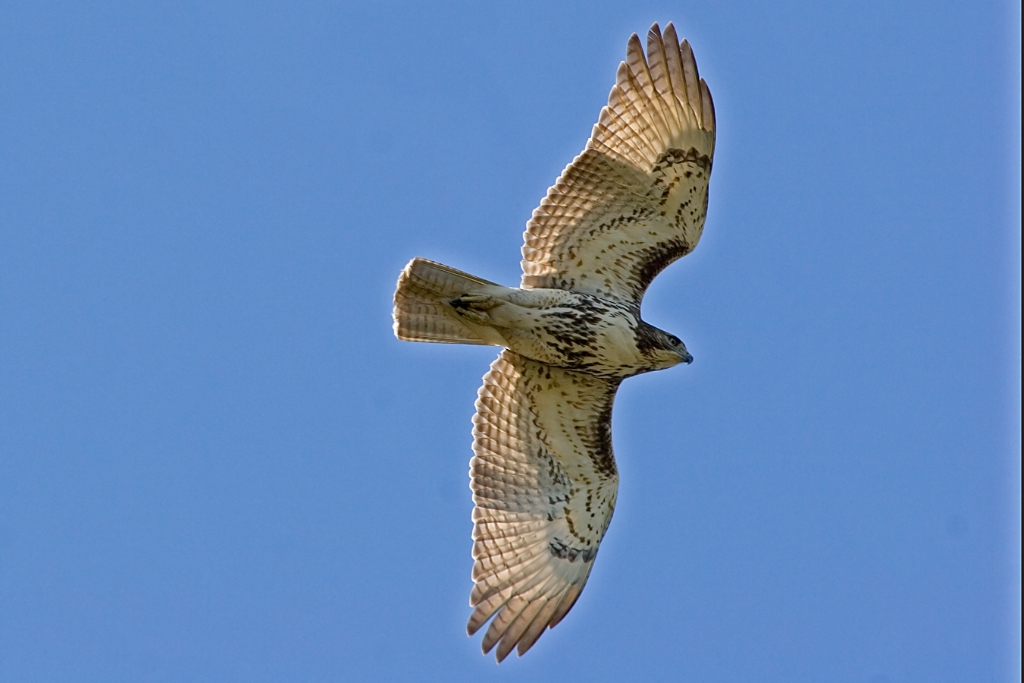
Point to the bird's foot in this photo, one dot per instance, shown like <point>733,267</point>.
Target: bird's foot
<point>474,307</point>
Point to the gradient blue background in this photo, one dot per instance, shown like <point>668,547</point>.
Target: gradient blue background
<point>217,463</point>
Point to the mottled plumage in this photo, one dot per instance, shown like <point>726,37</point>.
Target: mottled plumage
<point>543,474</point>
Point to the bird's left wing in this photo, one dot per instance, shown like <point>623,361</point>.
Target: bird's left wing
<point>544,482</point>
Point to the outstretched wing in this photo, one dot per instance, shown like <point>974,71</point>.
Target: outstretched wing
<point>544,482</point>
<point>634,201</point>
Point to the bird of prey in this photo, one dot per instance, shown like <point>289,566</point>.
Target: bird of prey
<point>543,476</point>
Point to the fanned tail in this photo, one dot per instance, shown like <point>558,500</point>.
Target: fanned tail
<point>423,311</point>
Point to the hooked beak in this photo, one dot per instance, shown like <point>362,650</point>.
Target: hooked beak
<point>686,357</point>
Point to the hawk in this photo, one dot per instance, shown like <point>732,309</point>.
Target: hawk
<point>543,476</point>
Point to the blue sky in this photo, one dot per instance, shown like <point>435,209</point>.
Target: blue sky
<point>217,463</point>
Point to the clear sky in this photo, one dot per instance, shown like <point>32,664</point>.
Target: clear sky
<point>217,463</point>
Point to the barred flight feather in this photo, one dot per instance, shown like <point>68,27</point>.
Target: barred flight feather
<point>520,575</point>
<point>636,198</point>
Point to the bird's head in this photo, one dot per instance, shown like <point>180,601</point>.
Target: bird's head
<point>664,349</point>
<point>677,347</point>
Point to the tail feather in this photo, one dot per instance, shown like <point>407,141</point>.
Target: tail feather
<point>422,309</point>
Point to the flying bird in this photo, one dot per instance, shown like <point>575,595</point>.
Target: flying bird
<point>543,475</point>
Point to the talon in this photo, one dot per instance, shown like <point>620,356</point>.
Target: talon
<point>480,302</point>
<point>473,307</point>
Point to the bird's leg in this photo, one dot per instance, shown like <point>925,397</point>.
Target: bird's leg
<point>474,307</point>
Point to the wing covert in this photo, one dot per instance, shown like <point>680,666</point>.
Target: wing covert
<point>635,199</point>
<point>544,483</point>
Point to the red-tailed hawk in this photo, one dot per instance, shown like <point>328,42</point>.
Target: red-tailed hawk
<point>543,475</point>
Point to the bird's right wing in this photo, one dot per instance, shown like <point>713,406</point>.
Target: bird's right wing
<point>544,482</point>
<point>635,200</point>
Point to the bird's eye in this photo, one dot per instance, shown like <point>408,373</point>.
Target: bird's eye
<point>674,339</point>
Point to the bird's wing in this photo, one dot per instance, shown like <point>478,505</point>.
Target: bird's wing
<point>544,482</point>
<point>634,201</point>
